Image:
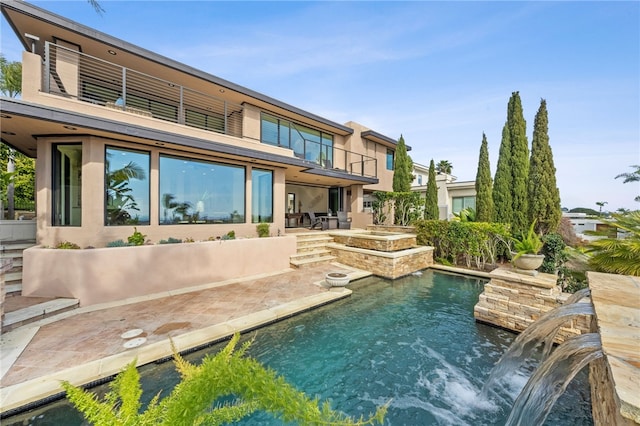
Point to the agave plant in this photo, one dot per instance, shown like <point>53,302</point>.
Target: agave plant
<point>618,255</point>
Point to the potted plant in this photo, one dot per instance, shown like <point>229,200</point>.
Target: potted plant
<point>527,249</point>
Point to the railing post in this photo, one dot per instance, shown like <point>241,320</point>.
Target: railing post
<point>181,113</point>
<point>47,69</point>
<point>226,124</point>
<point>124,88</point>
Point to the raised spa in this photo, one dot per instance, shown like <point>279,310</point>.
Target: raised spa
<point>375,240</point>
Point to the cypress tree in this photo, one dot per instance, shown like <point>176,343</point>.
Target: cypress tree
<point>544,196</point>
<point>431,200</point>
<point>402,168</point>
<point>519,164</point>
<point>484,200</point>
<point>501,194</point>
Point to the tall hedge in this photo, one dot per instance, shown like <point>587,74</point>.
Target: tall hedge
<point>544,196</point>
<point>484,184</point>
<point>501,193</point>
<point>402,168</point>
<point>431,198</point>
<point>519,164</point>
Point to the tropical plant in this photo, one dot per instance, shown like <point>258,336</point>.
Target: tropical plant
<point>468,214</point>
<point>484,185</point>
<point>529,243</point>
<point>198,398</point>
<point>120,201</point>
<point>631,177</point>
<point>601,205</point>
<point>444,166</point>
<point>544,196</point>
<point>431,197</point>
<point>618,255</point>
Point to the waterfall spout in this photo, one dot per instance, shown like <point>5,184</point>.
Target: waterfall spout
<point>541,331</point>
<point>551,379</point>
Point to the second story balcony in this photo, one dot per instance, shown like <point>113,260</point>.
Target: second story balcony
<point>75,75</point>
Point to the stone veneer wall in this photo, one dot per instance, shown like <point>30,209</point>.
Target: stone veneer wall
<point>392,228</point>
<point>389,243</point>
<point>514,301</point>
<point>384,264</point>
<point>604,399</point>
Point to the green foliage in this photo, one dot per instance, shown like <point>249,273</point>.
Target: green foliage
<point>468,214</point>
<point>118,243</point>
<point>529,243</point>
<point>23,177</point>
<point>484,185</point>
<point>431,199</point>
<point>231,235</point>
<point>402,168</point>
<point>196,399</point>
<point>10,77</point>
<point>571,281</point>
<point>67,245</point>
<point>555,254</point>
<point>519,165</point>
<point>503,181</point>
<point>618,256</point>
<point>262,229</point>
<point>381,207</point>
<point>444,166</point>
<point>544,196</point>
<point>137,238</point>
<point>631,177</point>
<point>189,240</point>
<point>407,207</point>
<point>171,240</point>
<point>469,243</point>
<point>586,210</point>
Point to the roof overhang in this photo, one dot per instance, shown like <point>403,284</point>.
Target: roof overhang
<point>381,139</point>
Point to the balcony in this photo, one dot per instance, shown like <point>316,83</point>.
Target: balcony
<point>78,76</point>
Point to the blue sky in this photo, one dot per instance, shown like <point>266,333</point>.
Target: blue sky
<point>439,73</point>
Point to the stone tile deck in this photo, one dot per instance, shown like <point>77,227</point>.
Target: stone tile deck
<point>86,345</point>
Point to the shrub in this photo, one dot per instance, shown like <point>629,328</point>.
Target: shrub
<point>67,245</point>
<point>117,243</point>
<point>554,253</point>
<point>473,243</point>
<point>263,230</point>
<point>171,240</point>
<point>189,240</point>
<point>137,238</point>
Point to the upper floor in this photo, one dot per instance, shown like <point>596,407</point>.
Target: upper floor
<point>77,80</point>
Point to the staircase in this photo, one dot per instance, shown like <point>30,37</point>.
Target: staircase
<point>18,310</point>
<point>312,250</point>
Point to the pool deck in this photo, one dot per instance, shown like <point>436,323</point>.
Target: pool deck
<point>86,345</point>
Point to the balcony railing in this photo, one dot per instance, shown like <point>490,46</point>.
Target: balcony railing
<point>76,75</point>
<point>73,74</point>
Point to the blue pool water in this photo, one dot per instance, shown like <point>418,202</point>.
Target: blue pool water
<point>411,341</point>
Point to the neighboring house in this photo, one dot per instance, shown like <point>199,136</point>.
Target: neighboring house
<point>125,137</point>
<point>452,196</point>
<point>582,224</point>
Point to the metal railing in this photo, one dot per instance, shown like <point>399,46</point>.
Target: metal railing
<point>74,74</point>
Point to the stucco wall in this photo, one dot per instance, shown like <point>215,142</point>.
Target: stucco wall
<point>110,274</point>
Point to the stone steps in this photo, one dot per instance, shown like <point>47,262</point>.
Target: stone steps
<point>13,252</point>
<point>305,263</point>
<point>312,250</point>
<point>20,317</point>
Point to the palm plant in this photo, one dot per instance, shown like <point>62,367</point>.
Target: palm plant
<point>444,166</point>
<point>618,255</point>
<point>631,177</point>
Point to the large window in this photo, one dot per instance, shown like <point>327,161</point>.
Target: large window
<point>307,143</point>
<point>261,196</point>
<point>126,187</point>
<point>461,203</point>
<point>196,191</point>
<point>67,185</point>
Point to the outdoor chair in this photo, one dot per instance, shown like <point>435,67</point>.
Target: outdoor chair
<point>344,222</point>
<point>315,221</point>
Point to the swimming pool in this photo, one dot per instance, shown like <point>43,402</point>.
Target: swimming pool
<point>412,341</point>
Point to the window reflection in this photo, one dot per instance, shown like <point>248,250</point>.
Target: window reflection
<point>127,187</point>
<point>261,196</point>
<point>196,191</point>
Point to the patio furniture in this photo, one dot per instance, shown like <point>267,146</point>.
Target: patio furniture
<point>315,221</point>
<point>344,222</point>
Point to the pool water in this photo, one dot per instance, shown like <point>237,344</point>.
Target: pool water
<point>412,341</point>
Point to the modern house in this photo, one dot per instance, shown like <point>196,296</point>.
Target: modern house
<point>125,137</point>
<point>453,196</point>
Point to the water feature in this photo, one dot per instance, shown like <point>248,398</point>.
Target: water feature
<point>412,341</point>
